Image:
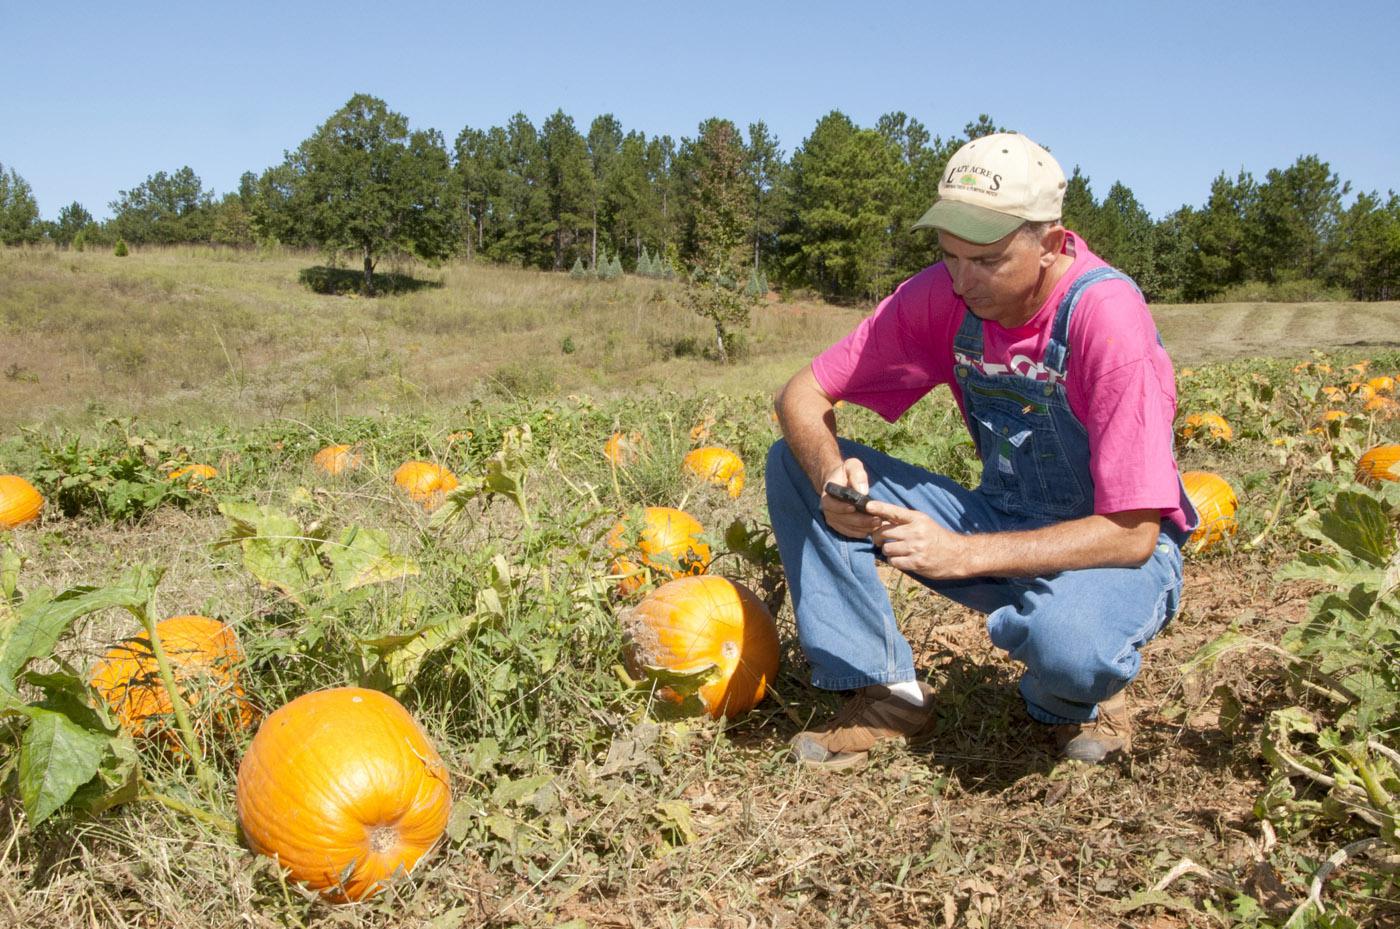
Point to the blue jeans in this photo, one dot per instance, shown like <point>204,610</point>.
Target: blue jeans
<point>1078,633</point>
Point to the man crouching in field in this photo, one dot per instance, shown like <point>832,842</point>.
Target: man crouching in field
<point>1071,543</point>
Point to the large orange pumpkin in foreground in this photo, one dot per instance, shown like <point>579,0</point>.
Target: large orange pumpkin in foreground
<point>669,542</point>
<point>718,466</point>
<point>344,789</point>
<point>425,482</point>
<point>334,460</point>
<point>1381,463</point>
<point>1202,425</point>
<point>19,501</point>
<point>1215,503</point>
<point>204,658</point>
<point>692,623</point>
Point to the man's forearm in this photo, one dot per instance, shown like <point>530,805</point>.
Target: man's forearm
<point>808,421</point>
<point>1118,540</point>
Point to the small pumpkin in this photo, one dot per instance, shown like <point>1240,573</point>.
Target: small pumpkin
<point>623,449</point>
<point>334,460</point>
<point>718,466</point>
<point>425,482</point>
<point>693,623</point>
<point>1215,503</point>
<point>1383,385</point>
<point>194,475</point>
<point>1334,394</point>
<point>669,542</point>
<point>1203,425</point>
<point>700,432</point>
<point>1381,463</point>
<point>1386,407</point>
<point>204,659</point>
<point>1360,367</point>
<point>20,501</point>
<point>343,788</point>
<point>1361,391</point>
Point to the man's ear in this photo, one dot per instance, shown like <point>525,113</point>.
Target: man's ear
<point>1052,243</point>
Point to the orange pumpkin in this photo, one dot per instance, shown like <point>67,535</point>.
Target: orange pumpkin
<point>194,475</point>
<point>669,542</point>
<point>425,482</point>
<point>20,501</point>
<point>1215,503</point>
<point>623,449</point>
<point>1201,425</point>
<point>343,788</point>
<point>692,623</point>
<point>1383,385</point>
<point>204,657</point>
<point>718,466</point>
<point>1381,463</point>
<point>629,575</point>
<point>1361,391</point>
<point>1385,406</point>
<point>1334,394</point>
<point>334,460</point>
<point>700,432</point>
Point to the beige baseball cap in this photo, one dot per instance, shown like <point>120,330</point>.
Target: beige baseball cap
<point>993,185</point>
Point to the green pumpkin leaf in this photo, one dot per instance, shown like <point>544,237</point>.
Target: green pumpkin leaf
<point>275,549</point>
<point>363,557</point>
<point>57,756</point>
<point>1357,524</point>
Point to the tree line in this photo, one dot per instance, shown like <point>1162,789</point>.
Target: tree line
<point>726,205</point>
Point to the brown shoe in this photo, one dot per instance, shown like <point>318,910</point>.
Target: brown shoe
<point>872,715</point>
<point>1092,742</point>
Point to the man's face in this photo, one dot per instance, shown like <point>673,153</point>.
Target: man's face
<point>1000,282</point>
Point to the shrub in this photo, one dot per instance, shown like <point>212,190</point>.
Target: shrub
<point>120,249</point>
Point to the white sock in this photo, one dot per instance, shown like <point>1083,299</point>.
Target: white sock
<point>909,692</point>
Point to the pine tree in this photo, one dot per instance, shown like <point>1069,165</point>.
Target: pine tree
<point>577,271</point>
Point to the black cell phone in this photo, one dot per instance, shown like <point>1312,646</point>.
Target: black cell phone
<point>849,494</point>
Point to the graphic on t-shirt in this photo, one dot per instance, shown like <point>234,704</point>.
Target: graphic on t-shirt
<point>1020,365</point>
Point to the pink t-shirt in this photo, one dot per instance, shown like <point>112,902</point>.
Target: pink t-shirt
<point>1119,381</point>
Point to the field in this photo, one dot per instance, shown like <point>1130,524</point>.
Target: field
<point>493,619</point>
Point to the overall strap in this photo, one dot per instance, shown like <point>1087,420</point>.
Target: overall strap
<point>1057,352</point>
<point>968,341</point>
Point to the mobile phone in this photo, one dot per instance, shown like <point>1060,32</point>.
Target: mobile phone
<point>849,494</point>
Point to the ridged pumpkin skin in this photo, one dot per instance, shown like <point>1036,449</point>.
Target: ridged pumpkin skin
<point>425,482</point>
<point>689,623</point>
<point>20,501</point>
<point>718,466</point>
<point>204,658</point>
<point>669,541</point>
<point>343,782</point>
<point>1381,463</point>
<point>334,460</point>
<point>1201,425</point>
<point>1215,503</point>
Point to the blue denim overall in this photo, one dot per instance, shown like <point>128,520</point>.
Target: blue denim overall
<point>1078,632</point>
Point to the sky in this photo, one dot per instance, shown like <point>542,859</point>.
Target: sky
<point>1162,95</point>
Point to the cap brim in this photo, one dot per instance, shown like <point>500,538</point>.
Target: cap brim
<point>975,224</point>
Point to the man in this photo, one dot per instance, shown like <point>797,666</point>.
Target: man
<point>1071,543</point>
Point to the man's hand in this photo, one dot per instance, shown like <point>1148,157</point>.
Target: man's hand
<point>842,516</point>
<point>914,542</point>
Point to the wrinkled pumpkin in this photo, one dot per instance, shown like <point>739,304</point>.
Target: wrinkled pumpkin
<point>1215,503</point>
<point>20,501</point>
<point>204,659</point>
<point>623,448</point>
<point>334,460</point>
<point>1206,425</point>
<point>425,482</point>
<point>343,788</point>
<point>709,628</point>
<point>718,466</point>
<point>194,475</point>
<point>668,542</point>
<point>1381,463</point>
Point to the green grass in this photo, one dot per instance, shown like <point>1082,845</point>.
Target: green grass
<point>574,805</point>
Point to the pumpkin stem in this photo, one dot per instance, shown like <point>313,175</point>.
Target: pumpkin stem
<point>177,702</point>
<point>213,820</point>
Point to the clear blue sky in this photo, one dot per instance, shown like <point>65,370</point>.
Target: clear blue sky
<point>1161,95</point>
